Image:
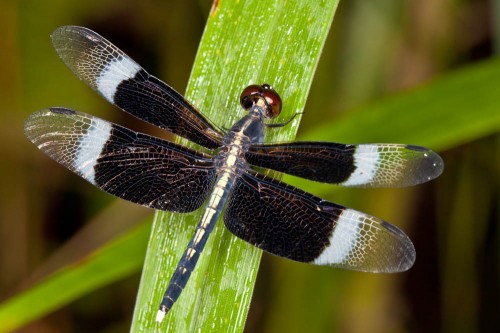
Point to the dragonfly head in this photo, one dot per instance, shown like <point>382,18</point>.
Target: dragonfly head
<point>264,96</point>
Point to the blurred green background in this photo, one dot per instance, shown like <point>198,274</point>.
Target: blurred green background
<point>376,49</point>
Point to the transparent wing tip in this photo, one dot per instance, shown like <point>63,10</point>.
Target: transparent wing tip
<point>429,166</point>
<point>404,253</point>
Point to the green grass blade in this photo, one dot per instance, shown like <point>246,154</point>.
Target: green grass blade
<point>467,107</point>
<point>444,113</point>
<point>452,109</point>
<point>117,259</point>
<point>278,42</point>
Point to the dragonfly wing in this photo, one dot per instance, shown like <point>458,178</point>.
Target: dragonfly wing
<point>134,166</point>
<point>293,224</point>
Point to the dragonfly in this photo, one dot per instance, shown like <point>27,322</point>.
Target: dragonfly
<point>261,210</point>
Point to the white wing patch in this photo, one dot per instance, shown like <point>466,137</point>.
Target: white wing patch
<point>366,159</point>
<point>90,147</point>
<point>343,239</point>
<point>118,70</point>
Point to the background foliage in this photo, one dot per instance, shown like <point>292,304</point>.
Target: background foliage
<point>383,60</point>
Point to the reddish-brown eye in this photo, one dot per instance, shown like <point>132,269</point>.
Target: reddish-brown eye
<point>249,95</point>
<point>272,99</point>
<point>265,96</point>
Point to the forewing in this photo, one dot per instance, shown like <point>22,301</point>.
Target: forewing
<point>122,82</point>
<point>293,224</point>
<point>365,165</point>
<point>133,166</point>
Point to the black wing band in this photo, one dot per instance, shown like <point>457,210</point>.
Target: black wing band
<point>133,166</point>
<point>124,83</point>
<point>293,224</point>
<point>366,165</point>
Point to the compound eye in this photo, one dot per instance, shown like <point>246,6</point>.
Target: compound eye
<point>264,96</point>
<point>273,100</point>
<point>249,96</point>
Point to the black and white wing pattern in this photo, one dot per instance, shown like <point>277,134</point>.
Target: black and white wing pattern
<point>131,165</point>
<point>124,83</point>
<point>365,165</point>
<point>293,224</point>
